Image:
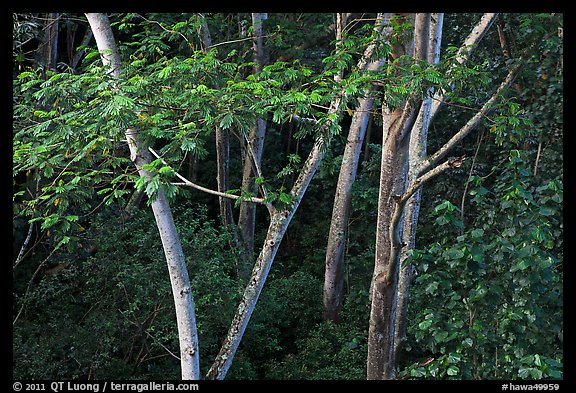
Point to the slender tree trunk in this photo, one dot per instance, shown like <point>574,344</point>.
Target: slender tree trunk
<point>255,146</point>
<point>463,54</point>
<point>222,138</point>
<point>334,266</point>
<point>49,49</point>
<point>181,289</point>
<point>80,52</point>
<point>222,176</point>
<point>417,151</point>
<point>397,125</point>
<point>334,270</point>
<point>279,220</point>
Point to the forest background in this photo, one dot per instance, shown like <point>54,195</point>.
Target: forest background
<point>210,196</point>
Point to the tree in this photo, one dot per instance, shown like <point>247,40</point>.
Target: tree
<point>334,272</point>
<point>139,154</point>
<point>417,152</point>
<point>170,106</point>
<point>393,195</point>
<point>253,152</point>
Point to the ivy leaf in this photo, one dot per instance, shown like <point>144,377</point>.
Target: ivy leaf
<point>424,325</point>
<point>453,370</point>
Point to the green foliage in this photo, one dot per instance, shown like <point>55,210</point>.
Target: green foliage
<point>488,303</point>
<point>330,352</point>
<point>111,314</point>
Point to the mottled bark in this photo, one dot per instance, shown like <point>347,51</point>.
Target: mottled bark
<point>334,271</point>
<point>139,154</point>
<point>417,151</point>
<point>334,265</point>
<point>397,125</point>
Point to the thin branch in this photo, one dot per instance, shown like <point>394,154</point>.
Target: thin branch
<point>464,52</point>
<point>470,125</point>
<point>451,163</point>
<point>395,240</point>
<point>188,183</point>
<point>468,182</point>
<point>24,246</point>
<point>25,297</point>
<point>151,336</point>
<point>256,165</point>
<point>303,119</point>
<point>537,158</point>
<point>238,40</point>
<point>166,30</point>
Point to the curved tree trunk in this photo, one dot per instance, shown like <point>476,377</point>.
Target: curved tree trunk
<point>181,289</point>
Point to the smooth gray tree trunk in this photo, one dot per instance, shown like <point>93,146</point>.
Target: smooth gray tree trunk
<point>337,235</point>
<point>139,154</point>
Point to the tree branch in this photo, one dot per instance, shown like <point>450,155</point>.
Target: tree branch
<point>451,163</point>
<point>395,240</point>
<point>464,53</point>
<point>188,183</point>
<point>470,125</point>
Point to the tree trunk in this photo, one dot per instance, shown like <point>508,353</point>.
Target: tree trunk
<point>279,221</point>
<point>334,268</point>
<point>49,49</point>
<point>181,289</point>
<point>417,151</point>
<point>222,144</point>
<point>397,124</point>
<point>394,162</point>
<point>334,271</point>
<point>255,146</point>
